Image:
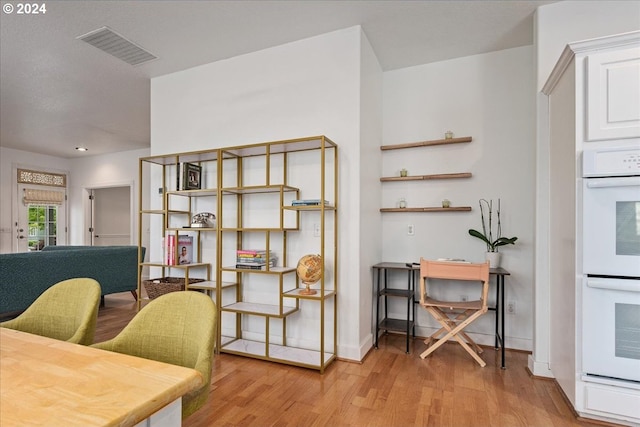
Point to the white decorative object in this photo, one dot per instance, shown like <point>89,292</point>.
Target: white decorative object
<point>494,259</point>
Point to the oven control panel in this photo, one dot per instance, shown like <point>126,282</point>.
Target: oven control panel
<point>611,162</point>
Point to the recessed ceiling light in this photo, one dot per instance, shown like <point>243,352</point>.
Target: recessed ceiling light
<point>82,149</point>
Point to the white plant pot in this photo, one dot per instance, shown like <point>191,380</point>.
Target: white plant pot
<point>494,259</point>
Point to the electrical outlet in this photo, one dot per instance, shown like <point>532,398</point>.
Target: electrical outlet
<point>511,307</point>
<point>316,230</point>
<point>411,230</point>
<point>464,298</point>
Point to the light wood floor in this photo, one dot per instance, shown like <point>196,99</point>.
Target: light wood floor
<point>389,388</point>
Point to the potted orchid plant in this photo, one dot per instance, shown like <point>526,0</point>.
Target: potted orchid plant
<point>491,239</point>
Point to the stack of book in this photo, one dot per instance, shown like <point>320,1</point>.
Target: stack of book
<point>255,259</point>
<point>185,250</point>
<point>308,202</point>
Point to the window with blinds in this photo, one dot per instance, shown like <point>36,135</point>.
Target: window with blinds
<point>42,197</point>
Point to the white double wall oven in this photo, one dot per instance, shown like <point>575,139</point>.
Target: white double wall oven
<point>611,263</point>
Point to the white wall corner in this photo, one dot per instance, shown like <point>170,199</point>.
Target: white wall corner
<point>355,354</point>
<point>366,346</point>
<point>539,368</point>
<point>541,316</point>
<point>369,166</point>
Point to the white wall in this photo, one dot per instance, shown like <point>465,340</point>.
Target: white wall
<point>304,88</point>
<point>570,21</point>
<point>9,160</point>
<point>309,87</point>
<point>491,98</point>
<point>296,93</point>
<point>556,25</point>
<point>368,214</point>
<point>562,226</point>
<point>108,170</point>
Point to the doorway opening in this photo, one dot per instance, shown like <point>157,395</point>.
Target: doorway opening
<point>109,216</point>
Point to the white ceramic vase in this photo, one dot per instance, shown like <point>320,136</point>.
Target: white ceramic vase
<point>494,259</point>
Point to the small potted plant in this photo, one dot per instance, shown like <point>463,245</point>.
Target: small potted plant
<point>493,241</point>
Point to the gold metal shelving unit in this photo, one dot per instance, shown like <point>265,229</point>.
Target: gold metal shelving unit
<point>158,211</point>
<point>275,173</point>
<point>272,171</point>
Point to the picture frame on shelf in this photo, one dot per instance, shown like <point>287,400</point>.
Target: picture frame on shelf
<point>191,177</point>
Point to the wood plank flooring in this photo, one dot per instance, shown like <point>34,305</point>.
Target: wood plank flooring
<point>389,388</point>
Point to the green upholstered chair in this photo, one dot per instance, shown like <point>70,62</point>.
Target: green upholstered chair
<point>67,311</point>
<point>177,328</point>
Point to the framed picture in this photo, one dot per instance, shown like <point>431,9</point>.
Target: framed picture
<point>191,177</point>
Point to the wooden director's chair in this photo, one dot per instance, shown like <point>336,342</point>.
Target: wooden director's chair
<point>454,316</point>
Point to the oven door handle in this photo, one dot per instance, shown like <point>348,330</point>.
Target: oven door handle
<point>628,181</point>
<point>627,285</point>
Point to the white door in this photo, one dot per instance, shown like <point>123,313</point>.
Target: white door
<point>40,223</point>
<point>111,216</point>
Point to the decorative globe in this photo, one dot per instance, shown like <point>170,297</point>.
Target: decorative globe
<point>309,270</point>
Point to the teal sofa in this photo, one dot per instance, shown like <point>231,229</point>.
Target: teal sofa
<point>24,276</point>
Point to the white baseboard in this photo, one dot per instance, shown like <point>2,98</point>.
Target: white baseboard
<point>538,368</point>
<point>356,354</point>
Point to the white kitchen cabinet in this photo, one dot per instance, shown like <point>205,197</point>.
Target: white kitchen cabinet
<point>613,94</point>
<point>594,102</point>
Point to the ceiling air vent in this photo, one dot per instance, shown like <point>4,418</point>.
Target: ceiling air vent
<point>114,44</point>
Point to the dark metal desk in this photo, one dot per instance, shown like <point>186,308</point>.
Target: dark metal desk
<point>406,325</point>
<point>499,308</point>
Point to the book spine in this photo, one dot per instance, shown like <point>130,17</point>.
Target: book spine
<point>303,202</point>
<point>306,203</point>
<point>254,267</point>
<point>250,252</point>
<point>259,256</point>
<point>170,258</point>
<point>178,177</point>
<point>255,261</point>
<point>256,258</point>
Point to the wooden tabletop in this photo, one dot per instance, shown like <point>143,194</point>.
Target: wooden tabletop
<point>55,383</point>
